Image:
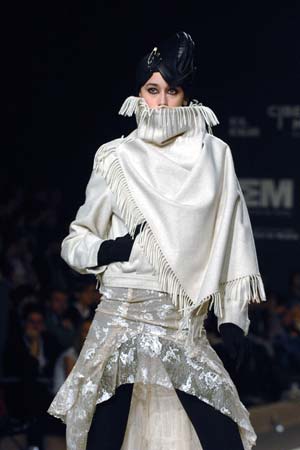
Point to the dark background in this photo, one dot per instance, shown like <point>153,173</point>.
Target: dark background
<point>67,67</point>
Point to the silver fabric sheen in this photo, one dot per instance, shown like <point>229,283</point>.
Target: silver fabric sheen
<point>135,338</point>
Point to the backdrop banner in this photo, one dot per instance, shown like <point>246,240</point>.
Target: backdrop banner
<point>264,135</point>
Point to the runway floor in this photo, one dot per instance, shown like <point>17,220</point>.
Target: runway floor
<point>287,440</point>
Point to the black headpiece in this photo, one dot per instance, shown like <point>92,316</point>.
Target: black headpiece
<point>173,58</point>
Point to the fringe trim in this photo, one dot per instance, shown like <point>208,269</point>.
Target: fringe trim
<point>133,217</point>
<point>247,289</point>
<point>171,117</point>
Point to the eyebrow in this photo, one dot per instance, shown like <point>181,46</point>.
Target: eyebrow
<point>151,84</point>
<point>157,85</point>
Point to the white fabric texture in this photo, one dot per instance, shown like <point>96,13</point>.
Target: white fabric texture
<point>193,208</point>
<point>157,421</point>
<point>98,219</point>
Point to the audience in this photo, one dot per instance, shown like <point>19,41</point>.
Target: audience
<point>29,360</point>
<point>58,317</point>
<point>85,300</point>
<point>294,289</point>
<point>66,360</point>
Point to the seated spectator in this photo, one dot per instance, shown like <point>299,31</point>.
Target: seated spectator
<point>86,300</point>
<point>18,257</point>
<point>20,297</point>
<point>59,318</point>
<point>287,345</point>
<point>31,353</point>
<point>266,320</point>
<point>29,361</point>
<point>252,379</point>
<point>55,429</point>
<point>67,359</point>
<point>276,306</point>
<point>35,348</point>
<point>294,289</point>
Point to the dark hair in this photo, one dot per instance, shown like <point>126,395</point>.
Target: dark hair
<point>77,343</point>
<point>50,291</point>
<point>84,282</point>
<point>32,308</point>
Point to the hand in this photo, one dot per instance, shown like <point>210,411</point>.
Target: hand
<point>234,341</point>
<point>119,249</point>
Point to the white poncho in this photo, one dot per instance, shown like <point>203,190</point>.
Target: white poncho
<point>179,180</point>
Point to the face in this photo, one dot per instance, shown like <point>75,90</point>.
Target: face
<point>157,93</point>
<point>34,323</point>
<point>59,302</point>
<point>86,297</point>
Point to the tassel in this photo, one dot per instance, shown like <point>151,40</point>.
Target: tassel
<point>129,107</point>
<point>216,303</point>
<point>248,289</point>
<point>209,116</point>
<point>194,114</point>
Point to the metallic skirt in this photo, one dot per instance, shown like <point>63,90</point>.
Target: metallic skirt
<point>135,337</point>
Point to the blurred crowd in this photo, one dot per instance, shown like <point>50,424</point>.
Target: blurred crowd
<point>46,309</point>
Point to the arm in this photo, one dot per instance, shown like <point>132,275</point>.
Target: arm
<point>90,228</point>
<point>118,249</point>
<point>234,342</point>
<point>236,312</point>
<point>235,300</point>
<point>233,322</point>
<point>68,365</point>
<point>233,325</point>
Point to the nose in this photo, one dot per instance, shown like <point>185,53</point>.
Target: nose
<point>163,99</point>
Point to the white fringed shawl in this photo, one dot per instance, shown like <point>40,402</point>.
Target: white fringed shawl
<point>180,180</point>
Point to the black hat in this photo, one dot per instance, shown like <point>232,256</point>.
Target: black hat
<point>173,58</point>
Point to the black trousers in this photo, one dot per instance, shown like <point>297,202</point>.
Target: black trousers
<point>215,430</point>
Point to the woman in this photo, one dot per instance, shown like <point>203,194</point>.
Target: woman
<point>66,360</point>
<point>166,230</point>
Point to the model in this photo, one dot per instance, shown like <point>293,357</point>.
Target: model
<point>165,229</point>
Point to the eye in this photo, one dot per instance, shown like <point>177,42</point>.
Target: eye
<point>173,91</point>
<point>152,90</point>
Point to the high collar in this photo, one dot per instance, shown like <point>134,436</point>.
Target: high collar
<point>161,125</point>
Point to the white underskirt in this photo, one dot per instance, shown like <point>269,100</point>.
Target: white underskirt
<point>157,421</point>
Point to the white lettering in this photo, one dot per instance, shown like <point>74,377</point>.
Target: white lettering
<point>268,193</point>
<point>252,191</point>
<point>282,112</point>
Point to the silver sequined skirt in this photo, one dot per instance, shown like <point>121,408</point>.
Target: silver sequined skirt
<point>136,338</point>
